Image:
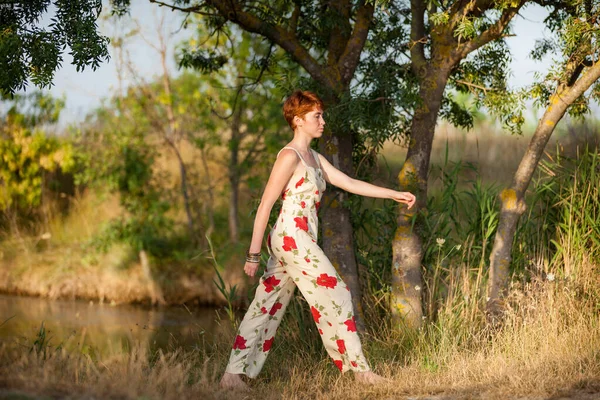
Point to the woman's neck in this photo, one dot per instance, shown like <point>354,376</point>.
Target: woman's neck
<point>301,142</point>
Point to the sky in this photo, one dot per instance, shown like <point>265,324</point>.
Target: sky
<point>85,90</point>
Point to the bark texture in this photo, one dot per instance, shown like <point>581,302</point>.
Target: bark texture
<point>446,52</point>
<point>407,247</point>
<point>234,173</point>
<point>336,228</point>
<point>345,44</point>
<point>513,198</point>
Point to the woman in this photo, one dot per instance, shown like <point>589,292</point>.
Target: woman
<point>298,177</point>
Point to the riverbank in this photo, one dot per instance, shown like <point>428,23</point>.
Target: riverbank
<point>67,273</point>
<point>107,284</point>
<point>548,347</point>
<point>59,259</point>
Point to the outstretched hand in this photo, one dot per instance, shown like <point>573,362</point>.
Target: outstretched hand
<point>404,197</point>
<point>250,268</point>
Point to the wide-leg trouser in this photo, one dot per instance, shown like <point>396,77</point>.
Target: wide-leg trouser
<point>330,303</point>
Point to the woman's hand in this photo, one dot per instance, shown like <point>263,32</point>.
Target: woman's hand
<point>404,197</point>
<point>250,268</point>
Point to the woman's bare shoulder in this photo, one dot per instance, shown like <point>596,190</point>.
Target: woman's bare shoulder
<point>288,155</point>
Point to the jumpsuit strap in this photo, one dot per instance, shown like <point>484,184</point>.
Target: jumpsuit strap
<point>316,157</point>
<point>297,152</point>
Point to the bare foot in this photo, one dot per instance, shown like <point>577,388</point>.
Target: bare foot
<point>369,378</point>
<point>233,382</point>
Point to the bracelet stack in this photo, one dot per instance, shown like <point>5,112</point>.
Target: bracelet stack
<point>252,257</point>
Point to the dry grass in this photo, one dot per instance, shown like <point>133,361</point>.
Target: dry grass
<point>60,263</point>
<point>495,154</point>
<point>548,347</point>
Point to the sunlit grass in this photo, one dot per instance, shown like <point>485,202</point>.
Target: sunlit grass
<point>549,343</point>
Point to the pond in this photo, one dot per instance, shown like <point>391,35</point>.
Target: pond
<point>105,327</point>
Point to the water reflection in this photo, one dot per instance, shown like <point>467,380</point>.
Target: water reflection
<point>108,328</point>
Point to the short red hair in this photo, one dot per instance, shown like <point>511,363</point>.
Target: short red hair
<point>299,104</point>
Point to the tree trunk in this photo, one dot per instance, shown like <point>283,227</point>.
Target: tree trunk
<point>406,301</point>
<point>337,233</point>
<point>234,234</point>
<point>156,294</point>
<point>208,207</point>
<point>234,172</point>
<point>186,197</point>
<point>512,199</point>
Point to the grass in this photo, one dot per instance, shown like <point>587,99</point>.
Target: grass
<point>60,262</point>
<point>547,347</point>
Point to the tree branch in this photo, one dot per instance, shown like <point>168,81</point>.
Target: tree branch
<point>351,56</point>
<point>473,85</point>
<point>472,8</point>
<point>294,19</point>
<point>582,84</point>
<point>492,33</point>
<point>417,36</point>
<point>233,11</point>
<point>193,9</point>
<point>340,31</point>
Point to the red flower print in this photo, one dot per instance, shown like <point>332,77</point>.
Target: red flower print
<point>275,307</point>
<point>307,259</point>
<point>289,243</point>
<point>317,192</point>
<point>302,204</point>
<point>351,324</point>
<point>327,280</point>
<point>267,344</point>
<point>270,283</point>
<point>339,364</point>
<point>263,310</point>
<point>300,182</point>
<point>302,223</point>
<point>354,364</point>
<point>317,205</point>
<point>240,343</point>
<point>283,194</point>
<point>269,240</point>
<point>329,323</point>
<point>304,273</point>
<point>315,313</point>
<point>341,346</point>
<point>320,331</point>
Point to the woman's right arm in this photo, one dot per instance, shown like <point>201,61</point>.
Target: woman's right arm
<point>282,171</point>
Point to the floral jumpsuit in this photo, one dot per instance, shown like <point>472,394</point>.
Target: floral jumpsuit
<point>296,260</point>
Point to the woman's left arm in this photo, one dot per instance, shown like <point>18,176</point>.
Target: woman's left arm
<point>343,181</point>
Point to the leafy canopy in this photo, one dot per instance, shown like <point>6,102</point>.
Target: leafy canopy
<point>32,52</point>
<point>27,154</point>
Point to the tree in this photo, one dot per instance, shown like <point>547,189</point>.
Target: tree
<point>27,155</point>
<point>331,41</point>
<point>30,52</point>
<point>452,44</point>
<point>159,112</point>
<point>564,89</point>
<point>327,41</point>
<point>244,99</point>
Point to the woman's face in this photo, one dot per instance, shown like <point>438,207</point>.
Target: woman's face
<point>312,123</point>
